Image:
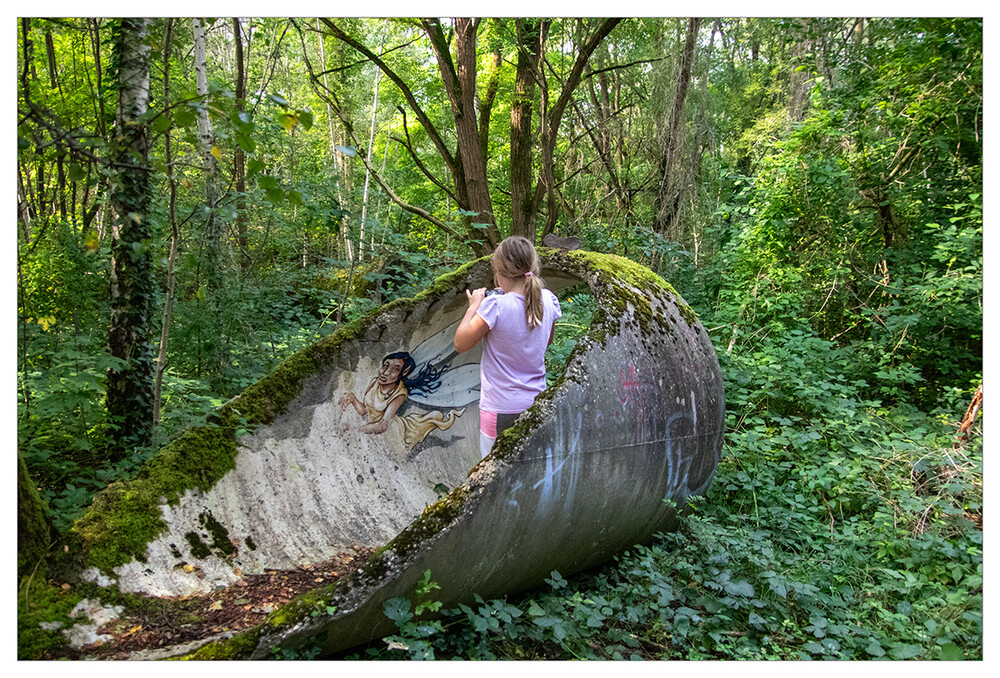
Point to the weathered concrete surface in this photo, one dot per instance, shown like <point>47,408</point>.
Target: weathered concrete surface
<point>637,419</point>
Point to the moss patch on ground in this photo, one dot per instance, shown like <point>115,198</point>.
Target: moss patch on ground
<point>40,601</point>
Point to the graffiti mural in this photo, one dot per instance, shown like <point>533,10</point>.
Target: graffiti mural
<point>423,379</point>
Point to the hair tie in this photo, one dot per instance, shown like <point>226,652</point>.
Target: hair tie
<point>528,273</point>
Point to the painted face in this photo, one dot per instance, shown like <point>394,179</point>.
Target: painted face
<point>390,371</point>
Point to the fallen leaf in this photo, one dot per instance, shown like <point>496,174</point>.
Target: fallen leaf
<point>188,568</point>
<point>65,586</point>
<point>217,605</point>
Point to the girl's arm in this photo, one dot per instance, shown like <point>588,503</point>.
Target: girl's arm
<point>473,327</point>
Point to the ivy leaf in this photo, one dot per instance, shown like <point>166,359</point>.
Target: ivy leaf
<point>306,118</point>
<point>740,588</point>
<point>254,166</point>
<point>281,101</point>
<point>216,153</point>
<point>246,143</point>
<point>874,649</point>
<point>347,150</point>
<point>398,610</point>
<point>951,652</point>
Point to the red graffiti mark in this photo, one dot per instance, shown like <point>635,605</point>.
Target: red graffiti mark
<point>633,394</point>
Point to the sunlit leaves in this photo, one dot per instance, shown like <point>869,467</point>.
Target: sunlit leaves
<point>288,120</point>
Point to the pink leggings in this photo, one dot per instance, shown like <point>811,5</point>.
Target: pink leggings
<point>492,424</point>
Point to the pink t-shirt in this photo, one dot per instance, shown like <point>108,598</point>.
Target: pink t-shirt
<point>512,371</point>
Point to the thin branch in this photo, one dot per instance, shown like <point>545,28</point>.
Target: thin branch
<point>408,144</point>
<point>620,66</point>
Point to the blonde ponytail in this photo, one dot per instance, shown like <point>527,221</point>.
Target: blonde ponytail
<point>516,257</point>
<point>533,309</point>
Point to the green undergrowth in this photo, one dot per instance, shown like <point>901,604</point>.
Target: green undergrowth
<point>577,304</point>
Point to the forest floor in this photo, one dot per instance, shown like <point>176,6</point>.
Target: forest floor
<point>140,634</point>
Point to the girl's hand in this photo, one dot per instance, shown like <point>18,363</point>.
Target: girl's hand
<point>476,296</point>
<point>472,328</point>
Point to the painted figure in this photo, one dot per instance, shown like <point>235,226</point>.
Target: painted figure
<point>389,391</point>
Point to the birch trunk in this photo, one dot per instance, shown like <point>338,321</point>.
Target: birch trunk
<point>368,174</point>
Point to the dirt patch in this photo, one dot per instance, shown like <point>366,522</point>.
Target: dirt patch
<point>238,607</point>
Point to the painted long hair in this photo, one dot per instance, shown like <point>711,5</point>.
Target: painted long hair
<point>426,381</point>
<point>516,257</point>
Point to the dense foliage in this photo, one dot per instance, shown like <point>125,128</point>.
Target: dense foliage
<point>818,200</point>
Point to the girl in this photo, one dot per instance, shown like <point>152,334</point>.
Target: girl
<point>515,327</point>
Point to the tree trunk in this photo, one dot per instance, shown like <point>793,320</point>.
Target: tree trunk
<point>670,189</point>
<point>239,155</point>
<point>130,388</point>
<point>529,38</point>
<point>34,525</point>
<point>213,232</point>
<point>459,79</point>
<point>371,144</point>
<point>550,129</point>
<point>168,303</point>
<point>800,79</point>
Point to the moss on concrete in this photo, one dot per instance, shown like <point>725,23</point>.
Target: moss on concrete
<point>239,646</point>
<point>220,536</point>
<point>40,601</point>
<point>198,548</point>
<point>125,516</point>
